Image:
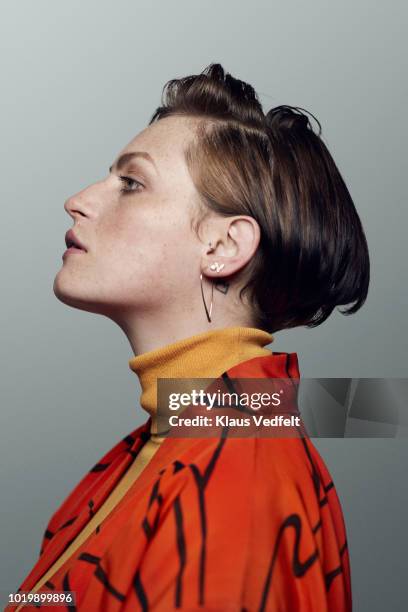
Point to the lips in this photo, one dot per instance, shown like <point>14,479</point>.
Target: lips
<point>72,241</point>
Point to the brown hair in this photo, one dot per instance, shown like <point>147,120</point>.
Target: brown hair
<point>313,253</point>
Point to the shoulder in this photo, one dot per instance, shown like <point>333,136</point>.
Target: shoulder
<point>271,458</point>
<point>228,469</point>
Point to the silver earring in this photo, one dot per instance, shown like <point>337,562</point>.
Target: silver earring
<point>207,312</point>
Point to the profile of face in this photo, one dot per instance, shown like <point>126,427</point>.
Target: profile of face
<point>136,227</point>
<point>143,257</point>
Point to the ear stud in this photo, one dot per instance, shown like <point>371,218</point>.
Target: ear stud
<point>216,266</point>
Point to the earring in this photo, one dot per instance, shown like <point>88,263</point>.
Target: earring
<point>207,312</point>
<point>217,266</point>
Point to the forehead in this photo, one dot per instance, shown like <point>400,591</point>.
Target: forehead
<point>165,140</point>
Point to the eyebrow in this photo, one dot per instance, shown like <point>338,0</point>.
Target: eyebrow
<point>127,157</point>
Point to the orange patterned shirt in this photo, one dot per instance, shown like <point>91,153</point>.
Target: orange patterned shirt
<point>217,524</point>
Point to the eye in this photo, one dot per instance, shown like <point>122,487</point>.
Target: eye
<point>129,184</point>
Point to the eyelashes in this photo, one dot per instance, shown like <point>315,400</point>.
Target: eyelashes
<point>130,184</point>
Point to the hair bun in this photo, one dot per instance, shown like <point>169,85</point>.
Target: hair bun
<point>290,118</point>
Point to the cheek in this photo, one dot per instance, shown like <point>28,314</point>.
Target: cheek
<point>149,249</point>
<point>125,236</point>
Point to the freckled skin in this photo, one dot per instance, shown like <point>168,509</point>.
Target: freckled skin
<point>143,264</point>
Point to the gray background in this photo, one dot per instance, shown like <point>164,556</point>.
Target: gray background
<point>79,79</point>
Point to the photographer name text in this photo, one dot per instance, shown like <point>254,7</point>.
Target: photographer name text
<point>226,421</point>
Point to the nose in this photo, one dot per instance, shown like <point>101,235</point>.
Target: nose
<point>88,202</point>
<point>75,206</point>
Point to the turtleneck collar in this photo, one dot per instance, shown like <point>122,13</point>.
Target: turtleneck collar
<point>204,355</point>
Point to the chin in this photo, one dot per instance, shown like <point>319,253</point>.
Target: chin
<point>66,292</point>
<point>67,297</point>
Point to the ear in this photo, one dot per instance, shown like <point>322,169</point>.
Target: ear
<point>234,241</point>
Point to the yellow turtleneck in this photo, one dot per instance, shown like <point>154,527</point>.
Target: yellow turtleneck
<point>204,355</point>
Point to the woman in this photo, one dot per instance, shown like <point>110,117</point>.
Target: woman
<point>216,226</point>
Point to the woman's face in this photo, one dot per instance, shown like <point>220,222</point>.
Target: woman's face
<point>141,252</point>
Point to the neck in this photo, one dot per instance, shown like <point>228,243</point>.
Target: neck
<point>147,331</point>
<point>204,355</point>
